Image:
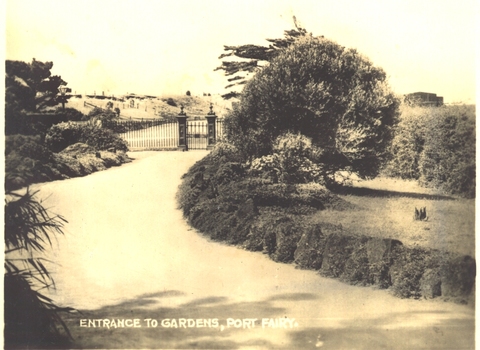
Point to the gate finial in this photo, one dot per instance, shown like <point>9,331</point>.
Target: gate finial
<point>181,110</point>
<point>211,109</point>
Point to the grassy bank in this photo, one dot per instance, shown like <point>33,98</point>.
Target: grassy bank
<point>382,211</point>
<point>363,236</point>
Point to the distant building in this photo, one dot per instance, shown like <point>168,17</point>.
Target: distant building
<point>424,99</point>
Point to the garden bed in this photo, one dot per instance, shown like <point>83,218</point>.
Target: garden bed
<point>28,161</point>
<point>298,224</point>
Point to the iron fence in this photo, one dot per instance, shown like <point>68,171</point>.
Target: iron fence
<point>220,131</point>
<point>161,134</point>
<point>147,134</point>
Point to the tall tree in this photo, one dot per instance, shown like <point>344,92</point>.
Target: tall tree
<point>32,85</point>
<point>29,87</point>
<point>254,57</point>
<point>320,89</point>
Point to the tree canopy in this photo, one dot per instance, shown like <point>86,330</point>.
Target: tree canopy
<point>29,87</point>
<point>317,88</point>
<point>31,84</point>
<point>252,57</point>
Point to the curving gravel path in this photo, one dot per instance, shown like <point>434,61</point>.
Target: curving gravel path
<point>128,255</point>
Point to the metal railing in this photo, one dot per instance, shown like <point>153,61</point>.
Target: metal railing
<point>160,134</point>
<point>147,134</point>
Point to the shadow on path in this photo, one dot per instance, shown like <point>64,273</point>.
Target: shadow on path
<point>400,330</point>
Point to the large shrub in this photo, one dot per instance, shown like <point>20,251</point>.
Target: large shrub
<point>437,147</point>
<point>219,197</point>
<point>408,142</point>
<point>63,135</point>
<point>104,115</point>
<point>290,162</point>
<point>221,165</point>
<point>227,201</point>
<point>330,94</point>
<point>171,102</point>
<point>27,161</point>
<point>71,114</point>
<point>448,158</point>
<point>29,87</point>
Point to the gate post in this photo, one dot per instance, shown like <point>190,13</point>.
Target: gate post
<point>211,128</point>
<point>182,130</point>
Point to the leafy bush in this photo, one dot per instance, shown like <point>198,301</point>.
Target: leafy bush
<point>408,143</point>
<point>330,94</point>
<point>457,276</point>
<point>63,135</point>
<point>281,237</point>
<point>290,161</point>
<point>171,102</point>
<point>224,201</point>
<point>310,247</point>
<point>357,267</point>
<point>70,165</point>
<point>267,167</point>
<point>196,185</point>
<point>437,147</point>
<point>448,158</point>
<point>71,114</point>
<point>28,147</point>
<point>102,114</point>
<point>338,249</point>
<point>27,161</point>
<point>96,111</point>
<point>408,268</point>
<point>219,198</point>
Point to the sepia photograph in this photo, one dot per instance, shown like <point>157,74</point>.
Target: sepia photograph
<point>270,174</point>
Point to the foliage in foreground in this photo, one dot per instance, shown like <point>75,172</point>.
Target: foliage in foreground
<point>29,87</point>
<point>222,186</point>
<point>436,145</point>
<point>293,161</point>
<point>102,114</point>
<point>28,161</point>
<point>32,320</point>
<point>62,135</point>
<point>228,201</point>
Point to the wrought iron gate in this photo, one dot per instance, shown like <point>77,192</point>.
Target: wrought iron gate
<point>197,134</point>
<point>159,134</point>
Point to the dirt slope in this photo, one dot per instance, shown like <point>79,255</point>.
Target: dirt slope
<point>138,107</point>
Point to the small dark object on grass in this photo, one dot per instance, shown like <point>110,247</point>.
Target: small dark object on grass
<point>421,214</point>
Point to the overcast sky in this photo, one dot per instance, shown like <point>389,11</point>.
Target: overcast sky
<point>168,47</point>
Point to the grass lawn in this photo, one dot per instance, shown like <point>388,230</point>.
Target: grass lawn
<point>385,208</point>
